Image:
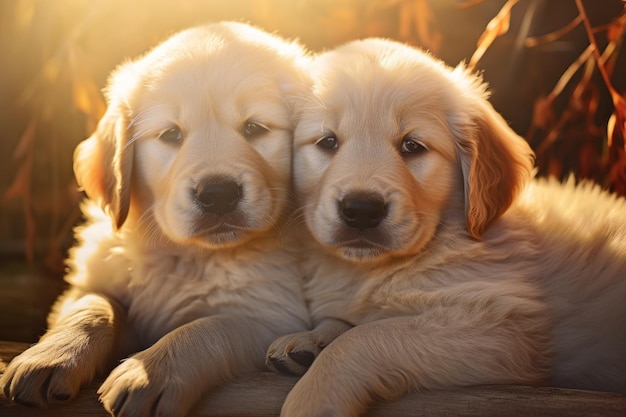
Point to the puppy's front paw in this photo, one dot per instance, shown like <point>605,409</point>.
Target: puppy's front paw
<point>294,353</point>
<point>51,371</point>
<point>140,387</point>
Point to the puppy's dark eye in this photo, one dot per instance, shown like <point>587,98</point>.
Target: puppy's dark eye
<point>253,130</point>
<point>329,142</point>
<point>171,135</point>
<point>412,146</point>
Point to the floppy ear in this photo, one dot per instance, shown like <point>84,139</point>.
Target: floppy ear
<point>496,164</point>
<point>103,164</point>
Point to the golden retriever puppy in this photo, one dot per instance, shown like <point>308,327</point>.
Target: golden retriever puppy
<point>434,259</point>
<point>192,161</point>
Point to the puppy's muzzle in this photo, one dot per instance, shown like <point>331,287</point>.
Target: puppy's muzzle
<point>218,196</point>
<point>361,210</point>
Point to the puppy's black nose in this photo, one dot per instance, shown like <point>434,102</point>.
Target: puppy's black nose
<point>218,196</point>
<point>362,210</point>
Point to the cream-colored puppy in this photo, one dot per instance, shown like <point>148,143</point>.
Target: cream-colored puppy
<point>433,249</point>
<point>193,161</point>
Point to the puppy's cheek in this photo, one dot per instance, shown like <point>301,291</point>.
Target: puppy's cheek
<point>276,155</point>
<point>278,183</point>
<point>279,199</point>
<point>153,162</point>
<point>308,169</point>
<point>276,152</point>
<point>175,213</point>
<point>153,180</point>
<point>412,241</point>
<point>323,222</point>
<point>257,203</point>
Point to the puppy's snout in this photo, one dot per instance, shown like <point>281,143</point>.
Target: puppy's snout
<point>218,195</point>
<point>362,210</point>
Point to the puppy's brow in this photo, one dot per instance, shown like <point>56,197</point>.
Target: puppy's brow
<point>143,115</point>
<point>141,118</point>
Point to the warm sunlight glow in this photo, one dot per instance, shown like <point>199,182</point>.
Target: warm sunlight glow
<point>58,55</point>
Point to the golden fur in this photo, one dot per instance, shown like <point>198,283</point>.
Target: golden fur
<point>192,162</point>
<point>434,259</point>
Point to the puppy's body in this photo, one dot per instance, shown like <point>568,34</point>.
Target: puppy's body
<point>557,256</point>
<point>163,288</point>
<point>192,163</point>
<point>434,259</point>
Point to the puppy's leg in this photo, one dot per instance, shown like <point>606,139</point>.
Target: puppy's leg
<point>168,378</point>
<point>82,340</point>
<point>294,353</point>
<point>386,358</point>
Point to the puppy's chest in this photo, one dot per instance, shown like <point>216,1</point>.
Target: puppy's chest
<point>175,290</point>
<point>361,295</point>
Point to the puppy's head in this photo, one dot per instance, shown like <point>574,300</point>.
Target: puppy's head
<point>195,143</point>
<point>392,143</point>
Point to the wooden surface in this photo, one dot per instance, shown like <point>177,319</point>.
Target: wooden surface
<point>261,395</point>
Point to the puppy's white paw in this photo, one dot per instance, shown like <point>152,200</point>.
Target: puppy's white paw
<point>139,387</point>
<point>51,371</point>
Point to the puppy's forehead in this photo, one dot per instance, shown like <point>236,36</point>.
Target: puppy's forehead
<point>218,79</point>
<point>393,78</point>
<point>222,72</point>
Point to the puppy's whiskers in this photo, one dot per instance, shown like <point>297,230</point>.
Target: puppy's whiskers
<point>143,115</point>
<point>297,216</point>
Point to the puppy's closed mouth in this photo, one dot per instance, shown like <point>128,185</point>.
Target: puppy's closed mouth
<point>365,239</point>
<point>211,223</point>
<point>361,248</point>
<point>222,230</point>
<point>222,235</point>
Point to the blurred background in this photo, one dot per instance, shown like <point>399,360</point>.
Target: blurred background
<point>556,69</point>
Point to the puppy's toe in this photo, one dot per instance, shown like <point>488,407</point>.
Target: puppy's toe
<point>175,401</point>
<point>137,388</point>
<point>159,398</point>
<point>27,402</point>
<point>138,402</point>
<point>48,372</point>
<point>284,366</point>
<point>61,397</point>
<point>303,358</point>
<point>292,354</point>
<point>123,382</point>
<point>63,385</point>
<point>42,386</point>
